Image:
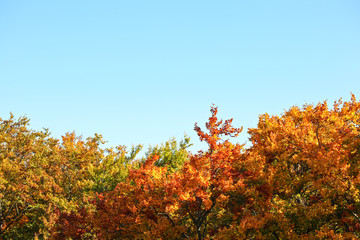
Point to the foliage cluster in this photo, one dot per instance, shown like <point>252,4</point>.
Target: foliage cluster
<point>300,179</point>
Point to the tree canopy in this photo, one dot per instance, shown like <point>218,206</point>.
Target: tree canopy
<point>300,179</point>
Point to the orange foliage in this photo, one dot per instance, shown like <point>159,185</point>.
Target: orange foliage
<point>300,179</point>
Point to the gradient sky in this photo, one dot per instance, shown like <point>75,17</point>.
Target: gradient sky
<point>146,71</point>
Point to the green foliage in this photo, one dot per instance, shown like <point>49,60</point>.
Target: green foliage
<point>172,153</point>
<point>113,168</point>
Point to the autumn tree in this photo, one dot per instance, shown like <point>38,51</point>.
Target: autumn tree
<point>311,155</point>
<point>26,181</point>
<point>187,203</point>
<point>88,171</point>
<point>136,208</point>
<point>202,186</point>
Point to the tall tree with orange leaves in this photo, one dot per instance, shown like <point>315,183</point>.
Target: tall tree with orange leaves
<point>156,203</point>
<point>202,187</point>
<point>312,155</point>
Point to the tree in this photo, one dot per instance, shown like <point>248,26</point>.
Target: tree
<point>155,203</point>
<point>26,181</point>
<point>312,157</point>
<point>202,186</point>
<point>88,171</point>
<point>136,208</point>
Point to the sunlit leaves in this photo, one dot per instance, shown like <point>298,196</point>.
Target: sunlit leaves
<point>312,153</point>
<point>300,179</point>
<point>26,185</point>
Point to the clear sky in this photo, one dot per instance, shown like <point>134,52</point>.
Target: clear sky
<point>146,71</point>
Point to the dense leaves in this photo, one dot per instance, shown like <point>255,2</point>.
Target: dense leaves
<point>26,185</point>
<point>299,179</point>
<point>313,156</point>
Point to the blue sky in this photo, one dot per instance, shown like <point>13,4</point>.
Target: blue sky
<point>146,71</point>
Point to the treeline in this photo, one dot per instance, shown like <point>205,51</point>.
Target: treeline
<point>300,179</point>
